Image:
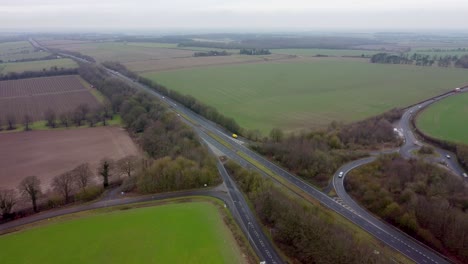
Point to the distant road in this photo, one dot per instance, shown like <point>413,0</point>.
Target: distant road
<point>235,150</point>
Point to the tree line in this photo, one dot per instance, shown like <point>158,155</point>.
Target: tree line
<point>255,52</point>
<point>211,53</point>
<point>52,71</point>
<point>422,199</point>
<point>302,231</point>
<point>315,156</point>
<point>420,59</point>
<point>74,185</point>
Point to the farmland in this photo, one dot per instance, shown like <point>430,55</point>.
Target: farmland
<point>309,93</point>
<point>36,65</point>
<point>326,52</point>
<point>19,50</point>
<point>447,119</point>
<point>123,52</point>
<point>34,96</point>
<point>191,232</point>
<point>46,154</point>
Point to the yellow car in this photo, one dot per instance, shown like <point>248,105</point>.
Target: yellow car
<point>234,135</point>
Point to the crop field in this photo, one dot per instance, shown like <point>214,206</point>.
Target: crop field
<point>13,51</point>
<point>309,94</point>
<point>19,67</point>
<point>194,62</point>
<point>49,153</point>
<point>191,232</point>
<point>447,119</point>
<point>34,96</point>
<point>327,52</point>
<point>124,52</point>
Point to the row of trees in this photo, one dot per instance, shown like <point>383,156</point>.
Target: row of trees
<point>421,198</point>
<point>299,229</point>
<point>315,156</point>
<point>52,71</point>
<point>82,113</point>
<point>211,53</point>
<point>73,185</point>
<point>419,59</point>
<point>255,52</point>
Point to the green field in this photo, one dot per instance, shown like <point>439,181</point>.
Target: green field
<point>173,233</point>
<point>36,65</point>
<point>447,119</point>
<point>328,52</point>
<point>309,94</point>
<point>12,51</point>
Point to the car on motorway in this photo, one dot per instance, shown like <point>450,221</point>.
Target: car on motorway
<point>340,174</point>
<point>465,175</point>
<point>447,156</point>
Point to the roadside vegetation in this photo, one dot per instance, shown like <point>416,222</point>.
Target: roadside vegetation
<point>301,230</point>
<point>424,200</point>
<point>315,156</point>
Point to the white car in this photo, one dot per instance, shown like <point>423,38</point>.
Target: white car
<point>447,156</point>
<point>340,174</point>
<point>465,175</point>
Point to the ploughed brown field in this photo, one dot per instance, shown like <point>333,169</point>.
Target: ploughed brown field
<point>34,96</point>
<point>49,153</point>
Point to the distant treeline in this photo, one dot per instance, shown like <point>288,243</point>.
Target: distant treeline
<point>188,101</point>
<point>268,42</point>
<point>426,201</point>
<point>255,51</point>
<point>302,231</point>
<point>211,53</point>
<point>420,59</point>
<point>52,71</point>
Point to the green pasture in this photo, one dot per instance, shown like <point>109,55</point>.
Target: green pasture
<point>447,119</point>
<point>310,94</point>
<point>19,67</point>
<point>172,233</point>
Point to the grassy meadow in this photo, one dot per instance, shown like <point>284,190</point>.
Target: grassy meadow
<point>172,233</point>
<point>309,94</point>
<point>447,119</point>
<point>36,65</point>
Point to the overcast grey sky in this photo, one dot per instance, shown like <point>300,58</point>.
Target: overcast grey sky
<point>234,14</point>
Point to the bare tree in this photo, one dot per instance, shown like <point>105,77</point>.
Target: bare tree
<point>26,121</point>
<point>31,188</point>
<point>82,175</point>
<point>83,109</point>
<point>127,165</point>
<point>1,127</point>
<point>104,171</point>
<point>65,119</point>
<point>107,109</point>
<point>50,117</point>
<point>64,185</point>
<point>7,201</point>
<point>77,117</point>
<point>11,120</point>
